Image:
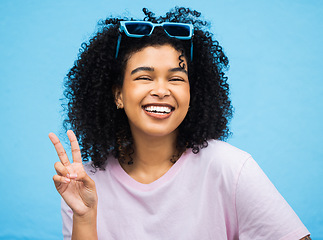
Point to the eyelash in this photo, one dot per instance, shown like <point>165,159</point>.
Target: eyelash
<point>177,79</point>
<point>144,78</point>
<point>171,80</point>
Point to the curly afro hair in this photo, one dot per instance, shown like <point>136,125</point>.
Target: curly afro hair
<point>90,102</point>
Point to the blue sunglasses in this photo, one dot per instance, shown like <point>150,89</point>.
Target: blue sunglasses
<point>138,29</point>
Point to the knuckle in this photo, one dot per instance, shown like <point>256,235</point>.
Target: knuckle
<point>83,174</point>
<point>73,140</point>
<point>76,150</point>
<point>61,153</point>
<point>57,165</point>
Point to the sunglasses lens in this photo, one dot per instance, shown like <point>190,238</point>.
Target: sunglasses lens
<point>177,30</point>
<point>138,28</point>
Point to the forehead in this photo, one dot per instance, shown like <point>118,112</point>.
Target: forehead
<point>156,56</point>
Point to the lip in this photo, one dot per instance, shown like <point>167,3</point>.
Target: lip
<point>159,105</point>
<point>158,115</point>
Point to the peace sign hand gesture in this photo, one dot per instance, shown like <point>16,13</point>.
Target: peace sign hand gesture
<point>73,184</point>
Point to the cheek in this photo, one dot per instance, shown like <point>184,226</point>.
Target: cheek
<point>133,94</point>
<point>184,96</point>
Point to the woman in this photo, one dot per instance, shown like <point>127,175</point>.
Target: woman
<point>149,103</point>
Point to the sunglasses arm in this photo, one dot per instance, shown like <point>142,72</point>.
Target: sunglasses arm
<point>118,46</point>
<point>192,49</point>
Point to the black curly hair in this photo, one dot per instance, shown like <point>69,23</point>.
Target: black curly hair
<point>90,102</point>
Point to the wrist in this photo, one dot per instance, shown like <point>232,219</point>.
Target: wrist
<point>85,225</point>
<point>91,214</point>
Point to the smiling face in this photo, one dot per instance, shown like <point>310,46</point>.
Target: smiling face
<point>156,92</point>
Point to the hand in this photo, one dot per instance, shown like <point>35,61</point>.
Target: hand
<point>73,184</point>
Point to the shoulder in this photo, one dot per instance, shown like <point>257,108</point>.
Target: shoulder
<point>219,160</point>
<point>224,149</point>
<point>223,155</point>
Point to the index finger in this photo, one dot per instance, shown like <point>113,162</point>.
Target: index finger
<point>59,149</point>
<point>76,152</point>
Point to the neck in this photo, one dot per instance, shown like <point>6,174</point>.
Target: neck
<point>152,157</point>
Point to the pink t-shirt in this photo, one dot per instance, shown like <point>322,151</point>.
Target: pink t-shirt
<point>219,193</point>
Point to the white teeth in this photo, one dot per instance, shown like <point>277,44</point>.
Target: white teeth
<point>158,109</point>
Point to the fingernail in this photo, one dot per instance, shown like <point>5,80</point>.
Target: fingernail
<point>67,175</point>
<point>67,180</point>
<point>73,175</point>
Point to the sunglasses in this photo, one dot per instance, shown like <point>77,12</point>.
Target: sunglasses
<point>138,29</point>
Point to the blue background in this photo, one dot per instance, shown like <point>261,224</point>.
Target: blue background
<point>276,68</point>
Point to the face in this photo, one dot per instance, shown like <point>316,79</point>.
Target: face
<point>156,92</point>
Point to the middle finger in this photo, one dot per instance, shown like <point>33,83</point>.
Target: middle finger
<point>76,152</point>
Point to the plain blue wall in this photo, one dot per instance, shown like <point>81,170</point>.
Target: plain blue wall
<point>276,71</point>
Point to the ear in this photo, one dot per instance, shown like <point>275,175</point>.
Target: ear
<point>118,96</point>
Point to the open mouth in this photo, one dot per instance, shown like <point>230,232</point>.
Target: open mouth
<point>161,110</point>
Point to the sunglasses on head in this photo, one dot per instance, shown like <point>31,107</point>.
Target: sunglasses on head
<point>138,29</point>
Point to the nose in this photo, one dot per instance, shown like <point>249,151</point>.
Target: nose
<point>160,89</point>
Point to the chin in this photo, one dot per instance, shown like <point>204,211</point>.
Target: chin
<point>160,133</point>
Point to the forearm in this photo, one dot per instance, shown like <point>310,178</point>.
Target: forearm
<point>84,227</point>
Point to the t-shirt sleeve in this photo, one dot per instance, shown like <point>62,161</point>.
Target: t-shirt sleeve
<point>67,217</point>
<point>262,212</point>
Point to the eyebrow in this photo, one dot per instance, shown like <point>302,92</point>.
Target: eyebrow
<point>150,69</point>
<point>178,69</point>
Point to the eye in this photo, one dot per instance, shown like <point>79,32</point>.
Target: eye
<point>144,78</point>
<point>176,80</point>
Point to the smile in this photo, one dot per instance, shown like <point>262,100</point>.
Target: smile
<point>158,109</point>
<point>155,110</point>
